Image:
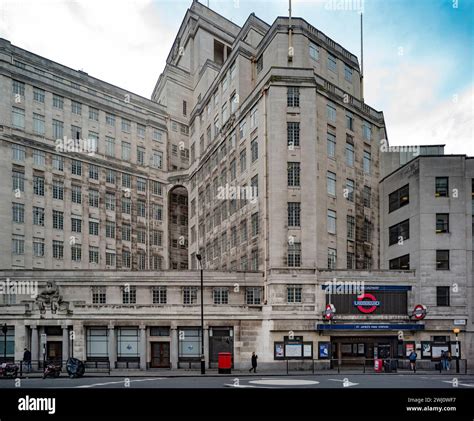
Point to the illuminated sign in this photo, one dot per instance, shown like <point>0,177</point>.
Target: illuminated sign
<point>366,303</point>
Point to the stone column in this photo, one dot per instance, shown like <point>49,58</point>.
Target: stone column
<point>65,343</point>
<point>34,347</point>
<point>206,345</point>
<point>20,341</point>
<point>79,341</point>
<point>142,347</point>
<point>112,347</point>
<point>174,347</point>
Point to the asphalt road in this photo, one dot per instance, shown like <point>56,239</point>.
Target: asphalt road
<point>258,381</point>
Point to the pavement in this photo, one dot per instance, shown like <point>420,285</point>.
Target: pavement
<point>328,380</point>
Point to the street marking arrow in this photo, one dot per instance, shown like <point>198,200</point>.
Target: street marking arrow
<point>345,382</point>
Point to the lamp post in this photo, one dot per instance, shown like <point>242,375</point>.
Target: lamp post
<point>203,359</point>
<point>4,331</point>
<point>456,332</point>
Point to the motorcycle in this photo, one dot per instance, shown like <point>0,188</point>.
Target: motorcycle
<point>8,370</point>
<point>52,370</point>
<point>75,368</point>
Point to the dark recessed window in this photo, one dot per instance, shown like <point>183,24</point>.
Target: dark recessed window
<point>442,259</point>
<point>442,222</point>
<point>400,263</point>
<point>441,186</point>
<point>160,331</point>
<point>398,198</point>
<point>442,296</point>
<point>399,231</point>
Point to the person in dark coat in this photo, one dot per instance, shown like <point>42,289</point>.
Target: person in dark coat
<point>412,358</point>
<point>27,360</point>
<point>254,362</point>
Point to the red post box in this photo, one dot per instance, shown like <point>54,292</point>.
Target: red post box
<point>224,363</point>
<point>378,365</point>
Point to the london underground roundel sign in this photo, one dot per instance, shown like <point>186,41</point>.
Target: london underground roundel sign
<point>329,312</point>
<point>419,312</point>
<point>366,303</point>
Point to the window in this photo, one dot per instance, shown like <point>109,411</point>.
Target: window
<point>110,201</point>
<point>38,124</point>
<point>293,134</point>
<point>243,231</point>
<point>399,232</point>
<point>76,167</point>
<point>126,125</point>
<point>110,119</point>
<point>293,174</point>
<point>294,254</point>
<point>331,112</point>
<point>441,186</point>
<point>58,220</point>
<point>110,259</point>
<point>93,141</point>
<point>293,96</point>
<point>94,255</point>
<point>18,245</point>
<point>58,190</point>
<point>367,231</point>
<point>157,159</point>
<point>38,95</point>
<point>254,224</point>
<point>99,296</point>
<point>254,150</point>
<point>156,238</point>
<point>39,158</point>
<point>220,296</point>
<point>350,189</point>
<point>253,295</point>
<point>58,249</point>
<point>366,131</point>
<point>332,63</point>
<point>189,295</point>
<point>347,73</point>
<point>157,135</point>
<point>442,296</point>
<point>76,133</point>
<point>442,259</point>
<point>242,132</point>
<point>126,205</point>
<point>294,214</point>
<point>350,260</point>
<point>93,114</point>
<point>93,228</point>
<point>129,295</point>
<point>18,88</point>
<point>38,247</point>
<point>126,151</point>
<point>58,102</point>
<point>76,225</point>
<point>18,153</point>
<point>126,180</point>
<point>157,212</point>
<point>367,162</point>
<point>110,176</point>
<point>38,216</point>
<point>331,221</point>
<point>93,198</point>
<point>225,112</point>
<point>350,227</point>
<point>332,258</point>
<point>93,172</point>
<point>367,196</point>
<point>18,181</point>
<point>58,163</point>
<point>110,229</point>
<point>110,146</point>
<point>18,118</point>
<point>141,208</point>
<point>331,140</point>
<point>38,185</point>
<point>18,213</point>
<point>126,258</point>
<point>400,263</point>
<point>76,107</point>
<point>349,121</point>
<point>253,118</point>
<point>76,252</point>
<point>293,293</point>
<point>349,154</point>
<point>254,260</point>
<point>260,64</point>
<point>233,170</point>
<point>156,188</point>
<point>76,196</point>
<point>254,186</point>
<point>313,51</point>
<point>331,183</point>
<point>398,198</point>
<point>159,295</point>
<point>141,184</point>
<point>243,160</point>
<point>442,223</point>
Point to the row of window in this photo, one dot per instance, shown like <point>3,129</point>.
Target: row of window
<point>403,262</point>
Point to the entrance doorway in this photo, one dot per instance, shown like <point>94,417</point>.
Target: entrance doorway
<point>160,355</point>
<point>355,350</point>
<point>222,340</point>
<point>54,351</point>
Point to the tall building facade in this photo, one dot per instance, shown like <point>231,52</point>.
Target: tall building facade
<point>256,151</point>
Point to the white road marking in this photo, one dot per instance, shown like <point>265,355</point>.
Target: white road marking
<point>284,382</point>
<point>238,385</point>
<point>345,383</point>
<point>119,382</point>
<point>459,384</point>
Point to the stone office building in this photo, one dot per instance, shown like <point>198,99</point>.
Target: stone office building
<point>256,151</point>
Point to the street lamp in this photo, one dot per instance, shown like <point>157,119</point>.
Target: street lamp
<point>456,332</point>
<point>203,360</point>
<point>4,331</point>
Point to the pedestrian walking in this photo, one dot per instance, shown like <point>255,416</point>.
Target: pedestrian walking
<point>444,360</point>
<point>412,357</point>
<point>448,360</point>
<point>254,363</point>
<point>27,360</point>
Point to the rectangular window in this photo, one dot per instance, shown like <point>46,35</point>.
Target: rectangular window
<point>366,131</point>
<point>93,228</point>
<point>350,190</point>
<point>140,155</point>
<point>18,153</point>
<point>110,176</point>
<point>331,221</point>
<point>293,134</point>
<point>367,162</point>
<point>129,295</point>
<point>442,297</point>
<point>294,294</point>
<point>93,172</point>
<point>348,73</point>
<point>159,295</point>
<point>442,223</point>
<point>332,63</point>
<point>58,163</point>
<point>349,121</point>
<point>254,118</point>
<point>442,186</point>
<point>126,125</point>
<point>110,229</point>
<point>18,213</point>
<point>367,196</point>
<point>58,129</point>
<point>242,131</point>
<point>76,195</point>
<point>313,51</point>
<point>350,227</point>
<point>18,88</point>
<point>38,247</point>
<point>189,295</point>
<point>38,124</point>
<point>294,214</point>
<point>367,231</point>
<point>157,212</point>
<point>126,148</point>
<point>400,263</point>
<point>331,145</point>
<point>350,155</point>
<point>58,220</point>
<point>253,295</point>
<point>76,107</point>
<point>76,167</point>
<point>76,133</point>
<point>38,185</point>
<point>110,119</point>
<point>93,198</point>
<point>99,296</point>
<point>399,232</point>
<point>18,245</point>
<point>157,159</point>
<point>293,174</point>
<point>110,201</point>
<point>331,113</point>
<point>243,161</point>
<point>254,150</point>
<point>220,296</point>
<point>76,252</point>
<point>38,216</point>
<point>93,114</point>
<point>18,118</point>
<point>76,225</point>
<point>110,259</point>
<point>93,142</point>
<point>294,255</point>
<point>58,190</point>
<point>398,198</point>
<point>442,259</point>
<point>18,181</point>
<point>58,102</point>
<point>110,146</point>
<point>58,249</point>
<point>141,129</point>
<point>94,255</point>
<point>332,258</point>
<point>254,223</point>
<point>331,183</point>
<point>126,205</point>
<point>293,96</point>
<point>350,260</point>
<point>39,158</point>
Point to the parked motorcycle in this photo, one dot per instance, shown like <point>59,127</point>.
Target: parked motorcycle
<point>8,370</point>
<point>75,368</point>
<point>52,370</point>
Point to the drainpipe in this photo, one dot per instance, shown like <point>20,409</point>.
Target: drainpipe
<point>265,185</point>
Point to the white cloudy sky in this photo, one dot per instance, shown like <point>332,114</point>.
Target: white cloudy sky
<point>419,56</point>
